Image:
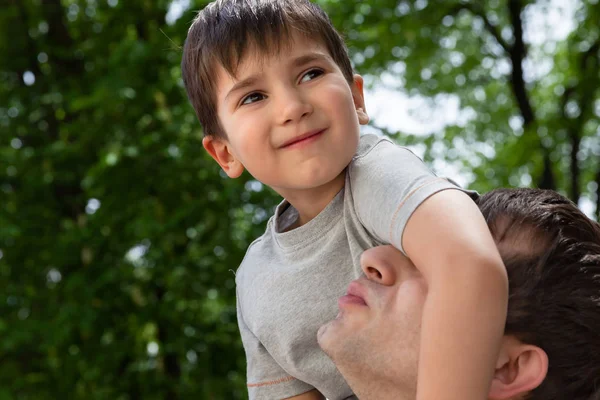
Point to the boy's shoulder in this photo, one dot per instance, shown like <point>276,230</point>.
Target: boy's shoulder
<point>368,142</point>
<point>381,152</point>
<point>254,254</point>
<point>259,253</point>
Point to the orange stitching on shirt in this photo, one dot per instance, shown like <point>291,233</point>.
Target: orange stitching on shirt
<point>269,383</point>
<point>406,199</point>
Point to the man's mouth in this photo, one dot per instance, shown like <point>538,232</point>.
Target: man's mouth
<point>354,296</point>
<point>305,138</point>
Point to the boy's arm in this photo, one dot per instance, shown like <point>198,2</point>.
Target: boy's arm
<point>312,395</point>
<point>463,319</point>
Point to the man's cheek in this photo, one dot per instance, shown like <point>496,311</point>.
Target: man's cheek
<point>413,294</point>
<point>405,318</point>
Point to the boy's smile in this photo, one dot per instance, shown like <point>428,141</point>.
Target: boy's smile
<point>292,120</point>
<point>304,139</point>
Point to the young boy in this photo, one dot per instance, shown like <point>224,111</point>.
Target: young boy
<point>272,85</point>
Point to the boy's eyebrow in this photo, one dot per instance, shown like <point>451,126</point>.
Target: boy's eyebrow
<point>250,81</point>
<point>297,62</point>
<point>308,58</point>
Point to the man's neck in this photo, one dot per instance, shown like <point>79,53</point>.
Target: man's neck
<point>375,384</point>
<point>378,390</point>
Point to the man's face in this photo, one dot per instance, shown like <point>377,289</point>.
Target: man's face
<point>291,118</point>
<point>375,339</point>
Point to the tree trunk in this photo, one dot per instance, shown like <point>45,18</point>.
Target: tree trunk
<point>598,194</point>
<point>547,180</point>
<point>518,52</point>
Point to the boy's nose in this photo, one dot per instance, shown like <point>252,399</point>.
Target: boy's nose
<point>294,109</point>
<point>378,264</point>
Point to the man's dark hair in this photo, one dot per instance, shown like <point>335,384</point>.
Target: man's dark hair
<point>224,31</point>
<point>552,254</point>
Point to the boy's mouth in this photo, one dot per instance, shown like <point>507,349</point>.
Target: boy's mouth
<point>302,139</point>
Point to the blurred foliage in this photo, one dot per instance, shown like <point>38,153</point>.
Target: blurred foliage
<point>530,113</point>
<point>118,235</point>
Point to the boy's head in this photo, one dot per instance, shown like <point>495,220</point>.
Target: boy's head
<point>225,31</point>
<point>272,85</point>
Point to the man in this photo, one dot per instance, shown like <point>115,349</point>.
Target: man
<point>551,346</point>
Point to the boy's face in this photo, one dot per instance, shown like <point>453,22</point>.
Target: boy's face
<point>291,119</point>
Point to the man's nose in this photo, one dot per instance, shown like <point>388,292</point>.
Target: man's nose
<point>294,107</point>
<point>378,265</point>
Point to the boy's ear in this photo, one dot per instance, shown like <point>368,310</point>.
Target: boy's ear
<point>220,150</point>
<point>359,100</point>
<point>520,369</point>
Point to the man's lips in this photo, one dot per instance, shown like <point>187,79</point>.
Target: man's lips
<point>305,137</point>
<point>355,296</point>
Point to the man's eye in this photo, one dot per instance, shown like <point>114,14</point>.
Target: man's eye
<point>252,98</point>
<point>312,74</point>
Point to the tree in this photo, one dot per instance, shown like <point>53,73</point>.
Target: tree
<point>527,124</point>
<point>119,236</point>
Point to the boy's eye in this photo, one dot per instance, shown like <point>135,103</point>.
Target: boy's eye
<point>312,74</point>
<point>252,98</point>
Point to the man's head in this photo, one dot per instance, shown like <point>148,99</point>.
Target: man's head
<point>273,87</point>
<point>551,348</point>
<point>552,254</point>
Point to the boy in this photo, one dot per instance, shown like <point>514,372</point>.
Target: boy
<point>272,85</point>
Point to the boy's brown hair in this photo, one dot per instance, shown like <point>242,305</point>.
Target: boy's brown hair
<point>552,254</point>
<point>222,33</point>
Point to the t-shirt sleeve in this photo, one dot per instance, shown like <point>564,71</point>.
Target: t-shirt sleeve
<point>265,378</point>
<point>388,183</point>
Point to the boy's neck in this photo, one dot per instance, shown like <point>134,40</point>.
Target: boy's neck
<point>310,202</point>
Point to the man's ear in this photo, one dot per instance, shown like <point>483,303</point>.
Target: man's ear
<point>220,150</point>
<point>520,369</point>
<point>359,100</point>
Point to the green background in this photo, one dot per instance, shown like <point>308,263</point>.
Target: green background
<point>118,235</point>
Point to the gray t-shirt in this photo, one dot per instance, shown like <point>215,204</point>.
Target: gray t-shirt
<point>289,282</point>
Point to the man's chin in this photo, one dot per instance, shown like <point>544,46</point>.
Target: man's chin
<point>330,333</point>
<point>324,335</point>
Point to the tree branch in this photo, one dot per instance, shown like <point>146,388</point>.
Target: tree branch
<point>547,180</point>
<point>583,94</point>
<point>517,55</point>
<point>517,52</point>
<point>478,10</point>
<point>573,136</point>
<point>170,359</point>
<point>598,194</point>
<point>59,35</point>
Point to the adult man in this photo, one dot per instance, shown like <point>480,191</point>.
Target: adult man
<point>551,347</point>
